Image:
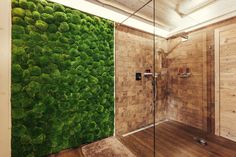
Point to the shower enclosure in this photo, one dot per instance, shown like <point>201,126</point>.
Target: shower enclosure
<point>165,107</point>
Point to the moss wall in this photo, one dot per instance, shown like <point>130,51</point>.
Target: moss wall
<point>62,78</point>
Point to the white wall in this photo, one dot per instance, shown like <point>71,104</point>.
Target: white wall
<point>5,78</point>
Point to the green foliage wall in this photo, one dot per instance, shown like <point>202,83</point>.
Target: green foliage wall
<point>62,78</point>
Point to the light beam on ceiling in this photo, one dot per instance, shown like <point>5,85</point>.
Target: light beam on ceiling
<point>111,14</point>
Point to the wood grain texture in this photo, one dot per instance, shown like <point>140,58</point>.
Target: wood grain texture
<point>192,102</point>
<point>110,147</point>
<point>173,139</point>
<point>217,83</point>
<point>77,152</point>
<point>134,107</point>
<point>188,96</point>
<point>176,139</point>
<point>203,67</point>
<point>225,81</point>
<point>210,30</point>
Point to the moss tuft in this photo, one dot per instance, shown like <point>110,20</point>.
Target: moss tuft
<point>64,27</point>
<point>18,12</point>
<point>60,16</point>
<point>41,25</point>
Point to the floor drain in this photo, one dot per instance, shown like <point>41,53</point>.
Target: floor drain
<point>200,141</point>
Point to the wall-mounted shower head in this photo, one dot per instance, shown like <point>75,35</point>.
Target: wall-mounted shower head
<point>184,37</point>
<point>160,51</point>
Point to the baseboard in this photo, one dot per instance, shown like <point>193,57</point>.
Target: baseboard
<point>143,128</point>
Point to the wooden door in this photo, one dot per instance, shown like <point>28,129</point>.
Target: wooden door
<point>225,82</point>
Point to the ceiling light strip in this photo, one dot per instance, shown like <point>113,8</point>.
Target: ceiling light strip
<point>112,14</point>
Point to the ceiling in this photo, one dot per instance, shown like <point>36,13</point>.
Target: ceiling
<point>166,16</point>
<point>172,16</point>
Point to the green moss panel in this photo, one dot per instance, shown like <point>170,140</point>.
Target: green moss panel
<point>62,78</point>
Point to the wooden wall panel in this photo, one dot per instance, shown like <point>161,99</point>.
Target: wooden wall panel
<point>188,99</point>
<point>225,81</point>
<point>134,53</point>
<point>211,70</point>
<point>201,61</point>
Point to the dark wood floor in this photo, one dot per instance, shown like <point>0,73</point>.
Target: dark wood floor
<point>172,139</point>
<point>177,140</point>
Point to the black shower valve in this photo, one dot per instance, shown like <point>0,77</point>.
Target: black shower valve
<point>138,76</point>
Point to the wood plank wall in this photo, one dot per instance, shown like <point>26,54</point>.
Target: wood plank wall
<point>134,53</point>
<point>190,101</point>
<point>211,74</point>
<point>187,96</point>
<point>225,68</point>
<point>177,107</point>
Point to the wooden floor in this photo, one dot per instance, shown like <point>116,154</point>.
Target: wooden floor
<point>172,140</point>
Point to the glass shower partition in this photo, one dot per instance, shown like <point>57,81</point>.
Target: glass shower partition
<point>134,67</point>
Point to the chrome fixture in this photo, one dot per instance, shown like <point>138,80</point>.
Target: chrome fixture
<point>184,38</point>
<point>185,75</point>
<point>147,74</point>
<point>184,72</point>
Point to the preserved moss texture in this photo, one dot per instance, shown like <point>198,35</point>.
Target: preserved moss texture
<point>62,78</point>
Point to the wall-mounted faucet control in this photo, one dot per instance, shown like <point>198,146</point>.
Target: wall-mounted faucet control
<point>138,76</point>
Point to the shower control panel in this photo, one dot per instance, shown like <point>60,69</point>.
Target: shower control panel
<point>138,76</point>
